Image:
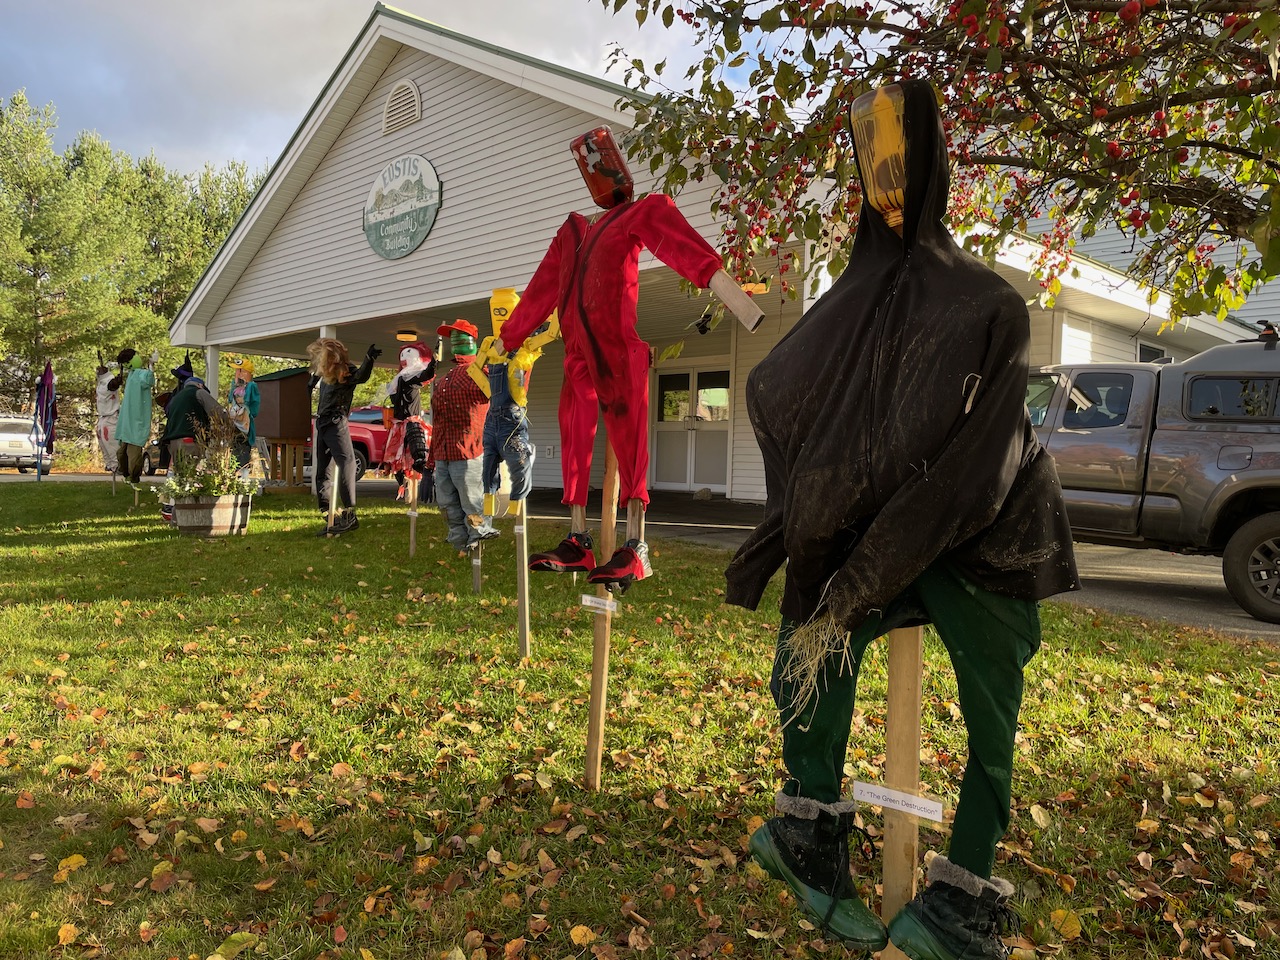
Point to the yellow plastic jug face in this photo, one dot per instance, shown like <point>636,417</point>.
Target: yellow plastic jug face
<point>877,124</point>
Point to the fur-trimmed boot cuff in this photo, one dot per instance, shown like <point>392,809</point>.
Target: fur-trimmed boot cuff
<point>808,809</point>
<point>942,870</point>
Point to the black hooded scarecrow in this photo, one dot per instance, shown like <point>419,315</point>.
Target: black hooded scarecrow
<point>905,486</point>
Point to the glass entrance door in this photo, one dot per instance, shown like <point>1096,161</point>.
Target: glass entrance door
<point>691,430</point>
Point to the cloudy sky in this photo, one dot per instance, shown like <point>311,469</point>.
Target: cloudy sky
<point>201,81</point>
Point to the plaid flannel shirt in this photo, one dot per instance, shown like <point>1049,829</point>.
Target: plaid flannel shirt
<point>458,411</point>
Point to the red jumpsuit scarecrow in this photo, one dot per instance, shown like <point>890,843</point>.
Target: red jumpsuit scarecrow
<point>590,275</point>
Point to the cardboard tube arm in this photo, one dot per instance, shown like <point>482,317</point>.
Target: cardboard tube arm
<point>743,307</point>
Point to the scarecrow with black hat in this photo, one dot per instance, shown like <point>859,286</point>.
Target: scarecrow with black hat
<point>408,447</point>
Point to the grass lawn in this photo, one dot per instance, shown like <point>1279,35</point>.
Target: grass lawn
<point>319,748</point>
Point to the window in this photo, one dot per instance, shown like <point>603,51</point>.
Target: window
<point>1232,398</point>
<point>713,395</point>
<point>1040,387</point>
<point>403,108</point>
<point>1149,354</point>
<point>673,396</point>
<point>1098,400</point>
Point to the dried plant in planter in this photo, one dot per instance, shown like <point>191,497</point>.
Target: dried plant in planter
<point>214,472</point>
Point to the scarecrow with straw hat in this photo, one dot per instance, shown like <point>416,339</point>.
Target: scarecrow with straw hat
<point>243,402</point>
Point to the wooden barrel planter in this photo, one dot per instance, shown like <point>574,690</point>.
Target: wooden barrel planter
<point>213,516</point>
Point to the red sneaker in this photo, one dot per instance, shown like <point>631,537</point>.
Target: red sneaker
<point>629,563</point>
<point>574,553</point>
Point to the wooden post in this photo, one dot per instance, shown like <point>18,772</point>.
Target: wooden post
<point>603,625</point>
<point>522,578</point>
<point>413,517</point>
<point>333,494</point>
<point>477,578</point>
<point>902,772</point>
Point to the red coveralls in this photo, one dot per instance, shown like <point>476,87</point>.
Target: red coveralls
<point>590,275</point>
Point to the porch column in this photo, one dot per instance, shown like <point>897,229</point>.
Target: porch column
<point>329,330</point>
<point>211,357</point>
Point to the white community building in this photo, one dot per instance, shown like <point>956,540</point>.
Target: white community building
<point>434,169</point>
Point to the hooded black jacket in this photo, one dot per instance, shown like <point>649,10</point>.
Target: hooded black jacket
<point>892,420</point>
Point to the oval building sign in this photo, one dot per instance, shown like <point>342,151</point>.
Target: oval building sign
<point>402,206</point>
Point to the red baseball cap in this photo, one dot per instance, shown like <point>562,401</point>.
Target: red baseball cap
<point>459,326</point>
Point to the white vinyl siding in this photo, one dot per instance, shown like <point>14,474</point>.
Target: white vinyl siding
<point>1091,341</point>
<point>1041,351</point>
<point>502,156</point>
<point>747,466</point>
<point>508,181</point>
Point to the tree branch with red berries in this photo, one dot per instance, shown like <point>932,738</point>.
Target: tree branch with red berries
<point>1156,118</point>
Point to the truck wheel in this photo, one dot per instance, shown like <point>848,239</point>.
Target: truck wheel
<point>1251,567</point>
<point>362,462</point>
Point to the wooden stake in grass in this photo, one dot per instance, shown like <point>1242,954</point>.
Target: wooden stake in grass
<point>603,626</point>
<point>333,494</point>
<point>902,771</point>
<point>522,578</point>
<point>413,517</point>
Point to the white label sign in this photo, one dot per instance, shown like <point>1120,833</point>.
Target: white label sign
<point>898,800</point>
<point>599,604</point>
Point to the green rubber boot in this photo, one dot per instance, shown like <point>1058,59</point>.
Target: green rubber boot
<point>811,856</point>
<point>958,916</point>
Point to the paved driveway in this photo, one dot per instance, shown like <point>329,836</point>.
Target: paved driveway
<point>1155,585</point>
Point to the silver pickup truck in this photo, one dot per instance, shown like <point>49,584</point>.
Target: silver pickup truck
<point>1176,456</point>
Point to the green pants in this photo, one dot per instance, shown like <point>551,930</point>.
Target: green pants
<point>990,638</point>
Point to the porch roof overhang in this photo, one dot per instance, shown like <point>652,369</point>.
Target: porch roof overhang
<point>1099,292</point>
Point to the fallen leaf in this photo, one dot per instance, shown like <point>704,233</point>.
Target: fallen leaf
<point>582,935</point>
<point>67,934</point>
<point>1041,816</point>
<point>26,800</point>
<point>207,824</point>
<point>262,886</point>
<point>1067,923</point>
<point>233,945</point>
<point>339,934</point>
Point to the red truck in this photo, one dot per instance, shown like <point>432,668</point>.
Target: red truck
<point>368,438</point>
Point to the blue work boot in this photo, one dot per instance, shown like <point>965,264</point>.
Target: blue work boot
<point>958,916</point>
<point>807,848</point>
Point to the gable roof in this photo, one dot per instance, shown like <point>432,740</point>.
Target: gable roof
<point>384,34</point>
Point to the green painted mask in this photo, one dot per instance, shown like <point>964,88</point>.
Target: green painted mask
<point>462,344</point>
